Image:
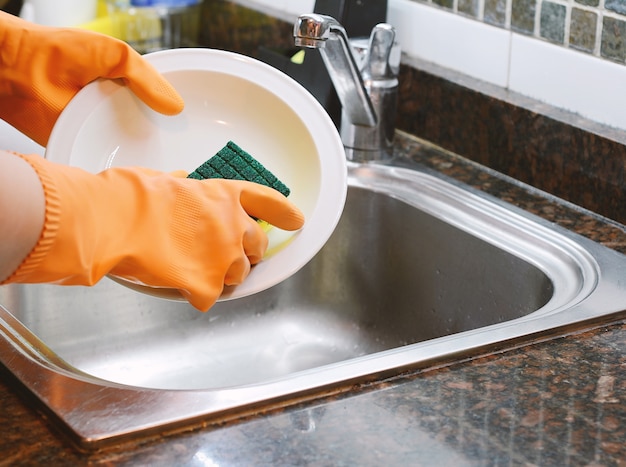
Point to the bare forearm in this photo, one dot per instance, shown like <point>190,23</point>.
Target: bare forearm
<point>22,211</point>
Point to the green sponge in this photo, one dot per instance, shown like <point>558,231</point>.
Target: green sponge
<point>232,162</point>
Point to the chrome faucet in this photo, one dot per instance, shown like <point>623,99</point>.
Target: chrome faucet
<point>368,93</point>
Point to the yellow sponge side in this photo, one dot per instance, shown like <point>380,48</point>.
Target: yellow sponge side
<point>266,226</point>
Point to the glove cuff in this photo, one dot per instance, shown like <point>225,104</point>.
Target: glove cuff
<point>51,223</point>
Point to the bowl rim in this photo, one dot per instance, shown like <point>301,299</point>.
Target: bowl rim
<point>327,211</point>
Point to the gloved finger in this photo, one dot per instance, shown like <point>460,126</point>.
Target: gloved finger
<point>153,172</point>
<point>238,271</point>
<point>179,173</point>
<point>145,171</point>
<point>156,92</point>
<point>142,79</point>
<point>268,204</point>
<point>202,299</point>
<point>255,242</point>
<point>202,291</point>
<point>115,59</point>
<point>202,294</point>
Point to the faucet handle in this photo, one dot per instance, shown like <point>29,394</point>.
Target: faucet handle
<point>376,64</point>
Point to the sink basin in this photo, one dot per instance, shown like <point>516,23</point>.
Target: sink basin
<point>419,271</point>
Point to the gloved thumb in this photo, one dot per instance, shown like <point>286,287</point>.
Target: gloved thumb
<point>268,204</point>
<point>117,60</point>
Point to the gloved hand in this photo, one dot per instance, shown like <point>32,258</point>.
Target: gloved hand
<point>148,226</point>
<point>42,68</point>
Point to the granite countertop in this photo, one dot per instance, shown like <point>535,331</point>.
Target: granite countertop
<point>561,401</point>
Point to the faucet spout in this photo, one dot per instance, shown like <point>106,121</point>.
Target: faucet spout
<point>326,34</point>
<point>368,93</point>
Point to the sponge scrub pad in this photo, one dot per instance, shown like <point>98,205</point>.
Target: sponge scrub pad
<point>232,162</point>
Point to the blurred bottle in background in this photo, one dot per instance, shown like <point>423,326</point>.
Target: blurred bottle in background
<point>147,25</point>
<point>59,12</point>
<point>179,21</point>
<point>150,25</point>
<point>140,27</point>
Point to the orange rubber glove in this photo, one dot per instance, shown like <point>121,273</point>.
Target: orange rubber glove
<point>152,227</point>
<point>42,68</point>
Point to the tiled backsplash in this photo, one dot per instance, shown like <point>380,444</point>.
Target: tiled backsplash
<point>596,27</point>
<point>569,54</point>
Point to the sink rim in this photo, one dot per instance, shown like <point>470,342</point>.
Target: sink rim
<point>111,411</point>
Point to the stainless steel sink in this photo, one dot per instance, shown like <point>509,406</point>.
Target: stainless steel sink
<point>419,271</point>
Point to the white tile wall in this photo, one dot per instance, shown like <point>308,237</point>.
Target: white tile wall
<point>297,7</point>
<point>454,42</point>
<point>558,75</point>
<point>294,7</point>
<point>278,4</point>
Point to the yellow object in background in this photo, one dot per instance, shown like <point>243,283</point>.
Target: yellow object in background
<point>102,25</point>
<point>148,28</point>
<point>102,9</point>
<point>298,57</point>
<point>138,26</point>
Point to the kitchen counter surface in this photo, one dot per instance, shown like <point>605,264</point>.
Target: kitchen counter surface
<point>561,401</point>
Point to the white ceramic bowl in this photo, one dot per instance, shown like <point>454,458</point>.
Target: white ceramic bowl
<point>227,97</point>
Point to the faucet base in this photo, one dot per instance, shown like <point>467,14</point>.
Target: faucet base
<point>367,155</point>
